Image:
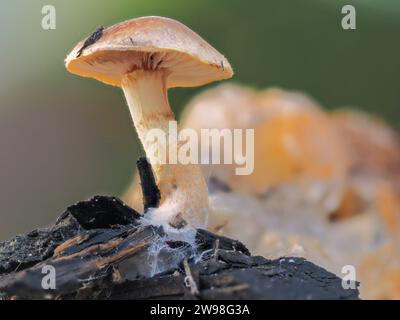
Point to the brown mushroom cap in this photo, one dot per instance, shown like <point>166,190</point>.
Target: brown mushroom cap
<point>150,43</point>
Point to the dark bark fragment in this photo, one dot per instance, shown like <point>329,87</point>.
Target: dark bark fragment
<point>24,251</point>
<point>258,278</point>
<point>150,191</point>
<point>101,212</point>
<point>99,251</point>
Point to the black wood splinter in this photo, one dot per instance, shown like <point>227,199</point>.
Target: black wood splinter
<point>150,191</point>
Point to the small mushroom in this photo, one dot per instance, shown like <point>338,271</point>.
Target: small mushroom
<point>145,57</point>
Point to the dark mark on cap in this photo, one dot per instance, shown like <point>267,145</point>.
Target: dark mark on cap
<point>92,39</point>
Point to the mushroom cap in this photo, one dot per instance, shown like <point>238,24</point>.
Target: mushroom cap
<point>149,43</point>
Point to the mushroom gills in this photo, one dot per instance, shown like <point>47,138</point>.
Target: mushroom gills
<point>115,64</point>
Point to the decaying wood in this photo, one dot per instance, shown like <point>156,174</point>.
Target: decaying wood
<point>88,264</point>
<point>100,249</point>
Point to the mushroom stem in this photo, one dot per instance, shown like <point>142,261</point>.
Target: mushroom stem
<point>183,189</point>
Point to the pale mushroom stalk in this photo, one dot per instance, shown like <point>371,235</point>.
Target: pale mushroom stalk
<point>182,187</point>
<point>147,56</point>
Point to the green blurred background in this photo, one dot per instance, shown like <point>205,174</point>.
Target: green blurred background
<point>65,138</point>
